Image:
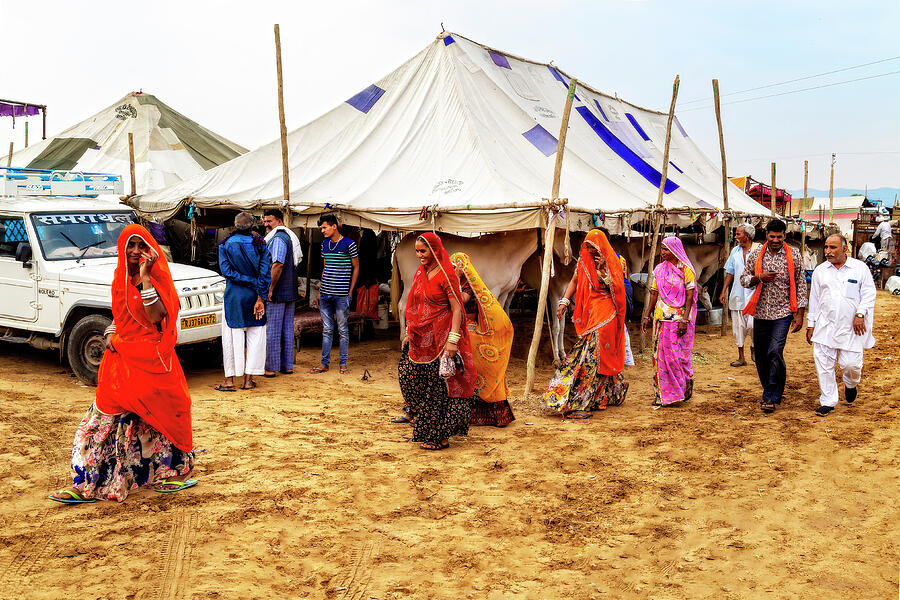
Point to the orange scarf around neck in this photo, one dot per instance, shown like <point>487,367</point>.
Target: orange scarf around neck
<point>750,309</point>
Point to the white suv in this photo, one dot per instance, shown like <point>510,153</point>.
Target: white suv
<point>57,257</point>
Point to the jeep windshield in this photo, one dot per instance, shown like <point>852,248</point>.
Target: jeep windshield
<point>88,234</point>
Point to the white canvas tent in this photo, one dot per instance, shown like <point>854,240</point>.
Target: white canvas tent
<point>463,138</point>
<point>845,210</point>
<point>168,147</point>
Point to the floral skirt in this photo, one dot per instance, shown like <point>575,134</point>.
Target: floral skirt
<point>577,385</point>
<point>114,454</point>
<point>435,415</point>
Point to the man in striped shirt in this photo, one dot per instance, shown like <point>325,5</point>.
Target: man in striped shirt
<point>341,259</point>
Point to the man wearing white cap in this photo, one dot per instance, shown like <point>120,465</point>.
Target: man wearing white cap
<point>737,295</point>
<point>839,321</point>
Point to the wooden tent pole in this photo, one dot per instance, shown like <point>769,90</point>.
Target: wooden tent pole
<point>803,207</point>
<point>772,196</point>
<point>553,205</point>
<point>831,193</point>
<point>9,156</point>
<point>727,248</point>
<point>131,162</point>
<point>284,149</point>
<point>26,134</point>
<point>44,122</point>
<point>659,202</point>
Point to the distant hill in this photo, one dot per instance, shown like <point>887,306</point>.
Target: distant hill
<point>885,194</point>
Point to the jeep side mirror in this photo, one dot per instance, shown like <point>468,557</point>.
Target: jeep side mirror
<point>23,254</point>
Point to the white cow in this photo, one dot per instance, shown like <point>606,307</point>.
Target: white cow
<point>498,258</point>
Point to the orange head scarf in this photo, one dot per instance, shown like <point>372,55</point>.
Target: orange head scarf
<point>143,374</point>
<point>600,305</point>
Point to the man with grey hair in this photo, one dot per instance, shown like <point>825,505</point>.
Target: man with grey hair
<point>246,266</point>
<point>839,323</point>
<point>734,296</point>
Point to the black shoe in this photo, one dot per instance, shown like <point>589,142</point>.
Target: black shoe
<point>824,410</point>
<point>850,394</point>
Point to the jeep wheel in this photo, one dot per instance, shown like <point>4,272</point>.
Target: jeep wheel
<point>86,346</point>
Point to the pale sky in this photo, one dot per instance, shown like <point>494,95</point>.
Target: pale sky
<point>214,62</point>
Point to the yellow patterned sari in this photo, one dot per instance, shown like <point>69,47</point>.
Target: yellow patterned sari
<point>491,335</point>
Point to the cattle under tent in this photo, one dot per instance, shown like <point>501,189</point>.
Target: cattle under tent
<point>465,138</point>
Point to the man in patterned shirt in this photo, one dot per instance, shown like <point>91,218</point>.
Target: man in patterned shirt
<point>778,303</point>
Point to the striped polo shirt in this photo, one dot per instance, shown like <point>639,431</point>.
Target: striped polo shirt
<point>338,266</point>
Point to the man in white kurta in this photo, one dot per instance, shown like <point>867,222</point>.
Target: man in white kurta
<point>737,295</point>
<point>839,321</point>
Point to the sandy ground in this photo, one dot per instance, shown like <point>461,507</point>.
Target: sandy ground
<point>307,491</point>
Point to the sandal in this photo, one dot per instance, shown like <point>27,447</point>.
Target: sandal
<point>283,372</point>
<point>739,363</point>
<point>74,498</point>
<point>433,446</point>
<point>767,406</point>
<point>319,369</point>
<point>252,386</point>
<point>578,414</point>
<point>401,420</point>
<point>345,369</point>
<point>270,375</point>
<point>180,485</point>
<point>225,388</point>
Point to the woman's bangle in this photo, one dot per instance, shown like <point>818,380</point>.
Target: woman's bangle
<point>109,330</point>
<point>564,302</point>
<point>149,297</point>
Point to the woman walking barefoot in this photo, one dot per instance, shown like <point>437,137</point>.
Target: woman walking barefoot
<point>138,430</point>
<point>439,406</point>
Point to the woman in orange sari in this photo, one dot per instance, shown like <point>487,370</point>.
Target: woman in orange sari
<point>438,396</point>
<point>491,335</point>
<point>138,430</point>
<point>592,377</point>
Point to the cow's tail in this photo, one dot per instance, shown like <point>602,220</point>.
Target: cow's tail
<point>395,286</point>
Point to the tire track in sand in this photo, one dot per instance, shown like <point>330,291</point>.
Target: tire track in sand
<point>176,556</point>
<point>355,584</point>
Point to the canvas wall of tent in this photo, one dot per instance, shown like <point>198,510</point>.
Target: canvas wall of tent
<point>462,137</point>
<point>168,146</point>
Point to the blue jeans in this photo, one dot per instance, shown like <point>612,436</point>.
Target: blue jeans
<point>334,308</point>
<point>769,337</point>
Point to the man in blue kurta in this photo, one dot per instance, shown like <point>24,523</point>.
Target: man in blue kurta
<point>245,264</point>
<point>284,248</point>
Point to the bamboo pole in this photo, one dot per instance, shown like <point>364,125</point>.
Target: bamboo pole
<point>802,224</point>
<point>831,193</point>
<point>26,134</point>
<point>773,190</point>
<point>131,162</point>
<point>553,206</point>
<point>659,201</point>
<point>284,149</point>
<point>727,248</point>
<point>9,156</point>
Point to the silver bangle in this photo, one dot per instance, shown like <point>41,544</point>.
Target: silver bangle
<point>564,302</point>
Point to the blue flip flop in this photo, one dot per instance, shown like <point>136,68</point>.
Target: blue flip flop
<point>74,498</point>
<point>181,485</point>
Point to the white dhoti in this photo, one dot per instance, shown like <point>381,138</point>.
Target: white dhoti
<point>741,327</point>
<point>825,358</point>
<point>243,350</point>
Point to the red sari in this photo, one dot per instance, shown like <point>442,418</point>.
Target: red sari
<point>142,375</point>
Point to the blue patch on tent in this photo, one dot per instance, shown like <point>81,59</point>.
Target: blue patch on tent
<point>600,108</point>
<point>559,77</point>
<point>366,99</point>
<point>448,40</point>
<point>676,167</point>
<point>639,129</point>
<point>542,139</point>
<point>499,60</point>
<point>705,204</point>
<point>624,152</point>
<point>680,128</point>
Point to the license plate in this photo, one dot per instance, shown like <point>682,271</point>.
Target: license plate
<point>198,321</point>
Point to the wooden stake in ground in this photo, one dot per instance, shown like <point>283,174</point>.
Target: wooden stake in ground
<point>553,206</point>
<point>284,149</point>
<point>773,191</point>
<point>727,248</point>
<point>131,162</point>
<point>831,193</point>
<point>659,200</point>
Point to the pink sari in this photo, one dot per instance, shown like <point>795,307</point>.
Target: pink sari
<point>673,370</point>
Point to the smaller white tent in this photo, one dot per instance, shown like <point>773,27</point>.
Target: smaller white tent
<point>168,147</point>
<point>463,137</point>
<point>846,209</point>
